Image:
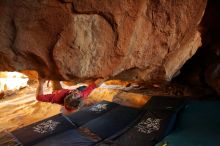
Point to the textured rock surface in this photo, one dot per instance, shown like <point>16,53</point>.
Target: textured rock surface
<point>132,39</point>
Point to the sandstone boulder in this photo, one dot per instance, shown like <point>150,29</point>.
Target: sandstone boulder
<point>130,39</point>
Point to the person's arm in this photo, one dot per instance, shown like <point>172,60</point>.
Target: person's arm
<point>59,96</point>
<point>88,90</point>
<point>56,97</point>
<point>45,98</point>
<point>39,92</point>
<point>91,87</point>
<point>56,85</point>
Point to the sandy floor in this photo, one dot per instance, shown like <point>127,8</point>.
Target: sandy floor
<point>21,109</point>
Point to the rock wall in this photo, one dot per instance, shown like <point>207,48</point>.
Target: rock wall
<point>203,69</point>
<point>128,39</point>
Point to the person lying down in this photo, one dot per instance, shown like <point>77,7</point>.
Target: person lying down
<point>70,99</point>
<point>84,96</point>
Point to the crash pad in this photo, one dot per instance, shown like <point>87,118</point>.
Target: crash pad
<point>113,121</point>
<point>40,130</point>
<point>67,138</point>
<point>157,121</point>
<point>83,116</point>
<point>49,127</point>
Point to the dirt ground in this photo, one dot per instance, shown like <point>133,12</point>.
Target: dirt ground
<point>21,109</point>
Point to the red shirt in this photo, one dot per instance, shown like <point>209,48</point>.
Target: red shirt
<point>59,95</point>
<point>56,97</point>
<point>88,90</point>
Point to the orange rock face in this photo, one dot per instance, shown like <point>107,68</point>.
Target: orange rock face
<point>129,39</point>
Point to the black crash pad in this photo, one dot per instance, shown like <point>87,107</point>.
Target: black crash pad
<point>157,121</point>
<point>38,131</point>
<point>67,138</point>
<point>41,130</point>
<point>113,121</point>
<point>83,116</point>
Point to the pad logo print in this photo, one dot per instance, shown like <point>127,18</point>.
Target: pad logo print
<point>99,107</point>
<point>149,125</point>
<point>46,127</point>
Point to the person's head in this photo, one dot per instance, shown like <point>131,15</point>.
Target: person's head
<point>72,101</point>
